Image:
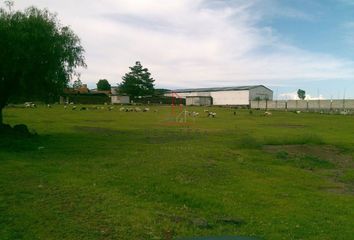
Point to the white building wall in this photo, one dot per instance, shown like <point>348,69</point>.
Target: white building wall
<point>230,97</point>
<point>262,92</point>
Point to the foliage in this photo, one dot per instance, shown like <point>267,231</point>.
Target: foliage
<point>38,56</point>
<point>77,84</point>
<point>103,85</point>
<point>137,82</point>
<point>301,94</point>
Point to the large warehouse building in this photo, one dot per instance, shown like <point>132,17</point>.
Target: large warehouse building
<point>234,96</point>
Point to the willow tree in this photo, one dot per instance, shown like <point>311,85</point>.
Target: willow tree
<point>38,55</point>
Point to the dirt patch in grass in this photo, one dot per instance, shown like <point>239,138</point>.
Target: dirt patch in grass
<point>286,125</point>
<point>325,152</point>
<point>95,121</point>
<point>330,162</point>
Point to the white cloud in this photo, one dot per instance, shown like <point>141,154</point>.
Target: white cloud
<point>294,96</point>
<point>190,43</point>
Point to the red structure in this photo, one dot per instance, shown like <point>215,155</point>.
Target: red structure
<point>175,96</point>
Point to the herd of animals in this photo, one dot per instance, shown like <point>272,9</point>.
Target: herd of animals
<point>71,106</point>
<point>146,109</point>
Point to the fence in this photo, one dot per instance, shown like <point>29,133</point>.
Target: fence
<point>305,105</point>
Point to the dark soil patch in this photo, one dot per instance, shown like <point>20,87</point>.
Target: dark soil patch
<point>325,152</point>
<point>95,121</point>
<point>286,125</point>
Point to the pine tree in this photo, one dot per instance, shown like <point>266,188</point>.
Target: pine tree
<point>138,82</point>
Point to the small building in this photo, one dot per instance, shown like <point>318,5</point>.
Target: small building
<point>198,101</point>
<point>222,96</point>
<point>118,99</point>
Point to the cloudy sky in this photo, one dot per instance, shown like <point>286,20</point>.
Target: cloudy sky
<point>283,44</point>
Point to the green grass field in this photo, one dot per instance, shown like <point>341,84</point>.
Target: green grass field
<point>102,174</point>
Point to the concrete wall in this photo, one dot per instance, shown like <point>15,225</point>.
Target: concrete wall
<point>311,105</point>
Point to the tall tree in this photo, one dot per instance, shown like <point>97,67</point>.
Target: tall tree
<point>103,85</point>
<point>301,94</point>
<point>137,82</point>
<point>38,56</point>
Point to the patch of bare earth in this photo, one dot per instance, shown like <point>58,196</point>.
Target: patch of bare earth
<point>328,153</point>
<point>286,125</point>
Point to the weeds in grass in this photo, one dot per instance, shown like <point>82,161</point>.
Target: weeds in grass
<point>304,161</point>
<point>348,177</point>
<point>312,139</point>
<point>249,142</point>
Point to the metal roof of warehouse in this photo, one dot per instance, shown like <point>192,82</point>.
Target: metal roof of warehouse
<point>215,89</point>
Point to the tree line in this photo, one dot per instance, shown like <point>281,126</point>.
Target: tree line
<point>39,57</point>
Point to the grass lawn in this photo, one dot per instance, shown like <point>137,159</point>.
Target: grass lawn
<point>102,174</point>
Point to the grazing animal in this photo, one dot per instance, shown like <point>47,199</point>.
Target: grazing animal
<point>212,114</point>
<point>137,109</point>
<point>195,114</point>
<point>343,112</point>
<point>110,108</point>
<point>267,113</point>
<point>28,104</point>
<point>49,106</point>
<point>122,109</point>
<point>297,112</point>
<point>65,107</point>
<point>146,109</point>
<point>73,108</point>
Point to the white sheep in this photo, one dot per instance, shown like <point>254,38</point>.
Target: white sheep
<point>146,109</point>
<point>195,114</point>
<point>122,109</point>
<point>212,114</point>
<point>28,104</point>
<point>267,113</point>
